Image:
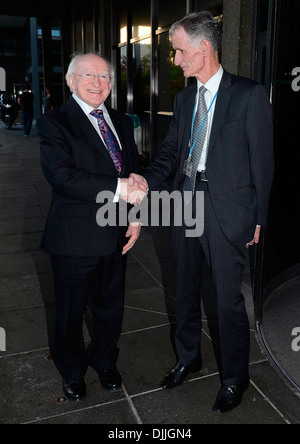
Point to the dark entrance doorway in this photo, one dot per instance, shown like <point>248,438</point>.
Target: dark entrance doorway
<point>278,308</point>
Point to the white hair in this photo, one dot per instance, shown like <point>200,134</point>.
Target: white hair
<point>76,58</point>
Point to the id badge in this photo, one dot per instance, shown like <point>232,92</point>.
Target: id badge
<point>188,167</point>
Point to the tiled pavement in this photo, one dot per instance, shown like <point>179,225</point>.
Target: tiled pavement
<point>30,387</point>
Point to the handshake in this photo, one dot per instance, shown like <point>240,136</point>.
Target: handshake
<point>134,189</point>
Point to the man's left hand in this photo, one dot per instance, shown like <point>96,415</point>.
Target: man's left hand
<point>133,233</point>
<point>256,237</point>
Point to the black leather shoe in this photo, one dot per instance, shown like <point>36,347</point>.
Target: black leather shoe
<point>229,397</point>
<point>177,375</point>
<point>110,379</point>
<point>74,389</point>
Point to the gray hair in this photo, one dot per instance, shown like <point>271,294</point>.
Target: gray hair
<point>75,59</point>
<point>201,26</point>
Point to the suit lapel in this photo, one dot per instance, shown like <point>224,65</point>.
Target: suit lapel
<point>117,124</point>
<point>221,108</point>
<point>81,121</point>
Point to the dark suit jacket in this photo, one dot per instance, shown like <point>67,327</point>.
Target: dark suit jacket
<point>240,155</point>
<point>78,166</point>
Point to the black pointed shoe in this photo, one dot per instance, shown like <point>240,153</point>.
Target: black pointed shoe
<point>110,379</point>
<point>177,375</point>
<point>74,389</point>
<point>230,397</point>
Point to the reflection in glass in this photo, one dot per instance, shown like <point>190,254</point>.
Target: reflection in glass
<point>170,77</point>
<point>123,35</point>
<point>89,30</point>
<point>122,20</point>
<point>122,84</point>
<point>141,76</point>
<point>215,7</point>
<point>169,11</point>
<point>141,13</point>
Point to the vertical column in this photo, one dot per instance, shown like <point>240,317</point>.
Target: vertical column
<point>247,38</point>
<point>237,45</point>
<point>67,43</point>
<point>129,59</point>
<point>35,66</point>
<point>114,52</point>
<point>47,51</point>
<point>154,78</point>
<point>231,35</point>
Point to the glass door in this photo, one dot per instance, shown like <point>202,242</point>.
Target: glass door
<point>278,277</point>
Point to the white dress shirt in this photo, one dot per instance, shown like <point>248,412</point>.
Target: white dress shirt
<point>212,87</point>
<point>87,109</point>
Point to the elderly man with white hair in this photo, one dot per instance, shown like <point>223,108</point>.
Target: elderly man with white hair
<point>87,148</point>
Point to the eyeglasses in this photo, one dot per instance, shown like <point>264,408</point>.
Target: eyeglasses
<point>89,78</point>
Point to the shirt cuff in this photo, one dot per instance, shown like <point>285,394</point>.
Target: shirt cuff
<point>118,192</point>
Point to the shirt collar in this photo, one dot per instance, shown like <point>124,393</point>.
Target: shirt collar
<point>87,109</point>
<point>213,83</point>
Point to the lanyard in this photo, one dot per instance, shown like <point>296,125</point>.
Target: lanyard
<point>192,149</point>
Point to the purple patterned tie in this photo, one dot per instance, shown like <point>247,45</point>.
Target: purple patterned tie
<point>110,140</point>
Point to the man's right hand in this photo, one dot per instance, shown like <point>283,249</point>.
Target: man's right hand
<point>134,189</point>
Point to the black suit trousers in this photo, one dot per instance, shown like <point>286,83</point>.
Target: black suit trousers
<point>227,264</point>
<point>97,282</point>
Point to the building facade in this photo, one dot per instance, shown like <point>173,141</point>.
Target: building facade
<point>260,41</point>
<point>22,52</point>
<point>135,36</point>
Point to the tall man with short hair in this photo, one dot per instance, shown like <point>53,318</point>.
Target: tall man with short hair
<point>87,148</point>
<point>221,144</point>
